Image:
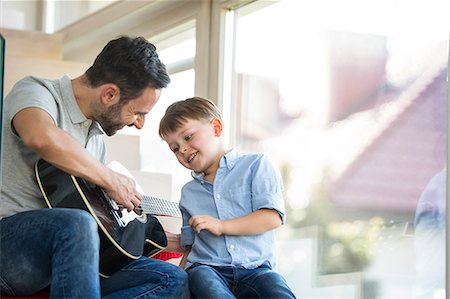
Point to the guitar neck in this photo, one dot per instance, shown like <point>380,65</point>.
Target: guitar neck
<point>161,207</point>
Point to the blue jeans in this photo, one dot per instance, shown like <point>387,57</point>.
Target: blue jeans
<point>236,282</point>
<point>60,247</point>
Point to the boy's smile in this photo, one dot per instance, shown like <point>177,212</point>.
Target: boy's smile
<point>197,144</point>
<point>191,157</point>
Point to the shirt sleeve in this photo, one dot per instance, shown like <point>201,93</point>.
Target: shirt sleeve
<point>29,93</point>
<point>267,187</point>
<point>187,233</point>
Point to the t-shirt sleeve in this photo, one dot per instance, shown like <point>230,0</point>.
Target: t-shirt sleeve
<point>267,187</point>
<point>29,93</point>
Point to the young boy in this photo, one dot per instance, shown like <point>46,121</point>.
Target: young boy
<point>230,209</point>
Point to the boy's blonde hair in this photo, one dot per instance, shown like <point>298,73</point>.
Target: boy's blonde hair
<point>178,113</point>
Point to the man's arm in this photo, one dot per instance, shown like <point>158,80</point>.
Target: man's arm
<point>38,132</point>
<point>254,223</point>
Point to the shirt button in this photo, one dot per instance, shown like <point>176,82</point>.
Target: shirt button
<point>218,196</point>
<point>86,124</point>
<point>231,247</point>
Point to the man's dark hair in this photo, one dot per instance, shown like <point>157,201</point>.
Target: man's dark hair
<point>130,63</point>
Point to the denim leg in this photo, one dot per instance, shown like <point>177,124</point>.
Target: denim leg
<point>50,246</point>
<point>261,282</point>
<point>210,282</point>
<point>146,278</point>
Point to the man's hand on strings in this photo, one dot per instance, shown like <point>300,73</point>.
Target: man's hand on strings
<point>124,192</point>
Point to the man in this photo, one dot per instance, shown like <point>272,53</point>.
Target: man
<point>62,121</point>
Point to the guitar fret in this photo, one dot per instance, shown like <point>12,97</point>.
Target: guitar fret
<point>158,206</point>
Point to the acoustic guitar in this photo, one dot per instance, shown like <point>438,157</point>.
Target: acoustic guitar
<point>124,235</point>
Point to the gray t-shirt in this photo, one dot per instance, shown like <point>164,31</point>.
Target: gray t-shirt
<point>19,189</point>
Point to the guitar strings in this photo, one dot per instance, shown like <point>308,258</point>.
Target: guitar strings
<point>157,206</point>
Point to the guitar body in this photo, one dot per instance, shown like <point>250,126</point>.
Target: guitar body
<point>124,236</point>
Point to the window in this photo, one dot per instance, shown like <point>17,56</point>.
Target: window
<point>353,110</point>
<point>177,51</point>
<point>155,153</point>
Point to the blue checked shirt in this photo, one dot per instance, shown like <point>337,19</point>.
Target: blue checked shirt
<point>243,184</point>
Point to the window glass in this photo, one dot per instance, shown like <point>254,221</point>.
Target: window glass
<point>155,153</point>
<point>349,98</point>
<point>180,51</point>
<point>155,156</point>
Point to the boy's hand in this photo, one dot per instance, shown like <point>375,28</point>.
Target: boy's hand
<point>254,223</point>
<point>211,224</point>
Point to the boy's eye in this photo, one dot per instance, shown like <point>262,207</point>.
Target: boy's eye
<point>175,150</point>
<point>188,137</point>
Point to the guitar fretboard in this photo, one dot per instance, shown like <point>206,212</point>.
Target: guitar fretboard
<point>157,206</point>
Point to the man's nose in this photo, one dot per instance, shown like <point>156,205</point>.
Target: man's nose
<point>139,122</point>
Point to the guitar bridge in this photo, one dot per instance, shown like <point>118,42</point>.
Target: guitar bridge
<point>111,206</point>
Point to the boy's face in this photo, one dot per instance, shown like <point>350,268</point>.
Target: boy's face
<point>197,144</point>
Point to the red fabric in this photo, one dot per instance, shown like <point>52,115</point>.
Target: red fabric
<point>163,255</point>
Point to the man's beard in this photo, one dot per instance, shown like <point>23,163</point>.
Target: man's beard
<point>109,120</point>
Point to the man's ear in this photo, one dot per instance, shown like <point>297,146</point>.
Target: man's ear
<point>218,126</point>
<point>109,94</point>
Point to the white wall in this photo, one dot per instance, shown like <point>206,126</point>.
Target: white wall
<point>22,15</point>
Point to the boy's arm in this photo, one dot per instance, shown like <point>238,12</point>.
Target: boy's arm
<point>184,259</point>
<point>254,223</point>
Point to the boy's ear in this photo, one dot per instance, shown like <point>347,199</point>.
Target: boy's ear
<point>218,126</point>
<point>109,94</point>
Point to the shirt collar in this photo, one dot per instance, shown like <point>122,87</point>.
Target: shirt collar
<point>75,114</point>
<point>198,176</point>
<point>71,103</point>
<point>227,161</point>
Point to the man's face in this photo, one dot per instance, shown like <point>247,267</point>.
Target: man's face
<point>132,113</point>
